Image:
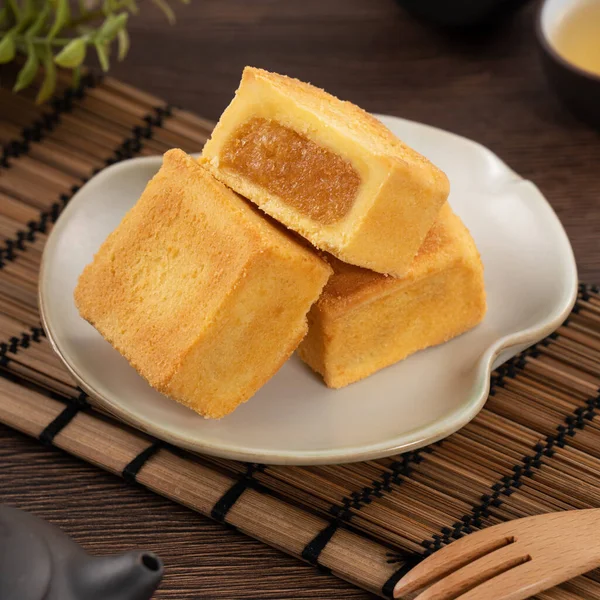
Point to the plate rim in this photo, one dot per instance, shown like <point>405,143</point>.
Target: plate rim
<point>449,425</point>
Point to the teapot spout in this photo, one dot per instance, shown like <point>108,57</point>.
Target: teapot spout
<point>129,576</point>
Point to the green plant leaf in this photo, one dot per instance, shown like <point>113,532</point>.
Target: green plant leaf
<point>76,77</point>
<point>15,9</point>
<point>123,41</point>
<point>33,28</point>
<point>7,47</point>
<point>102,52</point>
<point>73,54</point>
<point>39,23</point>
<point>111,26</point>
<point>49,83</point>
<point>28,72</point>
<point>166,9</point>
<point>132,7</point>
<point>26,16</point>
<point>4,15</point>
<point>62,17</point>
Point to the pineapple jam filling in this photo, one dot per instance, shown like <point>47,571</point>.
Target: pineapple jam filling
<point>311,179</point>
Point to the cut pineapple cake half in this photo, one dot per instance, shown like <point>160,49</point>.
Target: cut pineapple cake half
<point>202,294</point>
<point>365,321</point>
<point>326,169</point>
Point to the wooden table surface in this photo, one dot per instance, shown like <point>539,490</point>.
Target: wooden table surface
<point>488,87</point>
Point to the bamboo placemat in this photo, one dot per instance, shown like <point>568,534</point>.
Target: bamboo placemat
<point>534,448</point>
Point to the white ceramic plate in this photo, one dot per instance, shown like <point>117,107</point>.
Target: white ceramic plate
<point>531,282</point>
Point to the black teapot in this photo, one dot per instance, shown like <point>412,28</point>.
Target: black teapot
<point>39,562</point>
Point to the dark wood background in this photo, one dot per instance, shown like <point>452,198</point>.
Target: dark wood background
<point>487,86</point>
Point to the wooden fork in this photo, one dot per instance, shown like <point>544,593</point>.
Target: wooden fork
<point>510,561</point>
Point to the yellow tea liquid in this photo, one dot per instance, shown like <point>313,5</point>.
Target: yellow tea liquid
<point>578,36</point>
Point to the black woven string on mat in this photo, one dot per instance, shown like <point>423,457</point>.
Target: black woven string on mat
<point>232,495</point>
<point>47,121</point>
<point>508,484</point>
<point>131,470</point>
<point>127,149</point>
<point>505,487</point>
<point>20,146</point>
<point>344,512</point>
<point>357,500</point>
<point>73,407</point>
<point>400,469</point>
<point>584,290</point>
<point>17,342</point>
<point>464,525</point>
<point>387,589</point>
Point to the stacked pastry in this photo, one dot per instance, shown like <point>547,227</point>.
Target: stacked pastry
<point>353,256</point>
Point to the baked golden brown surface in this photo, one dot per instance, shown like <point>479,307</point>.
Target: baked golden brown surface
<point>365,321</point>
<point>203,295</point>
<point>326,169</point>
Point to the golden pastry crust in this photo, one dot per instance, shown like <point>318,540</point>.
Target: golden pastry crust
<point>204,296</point>
<point>378,210</point>
<point>365,321</point>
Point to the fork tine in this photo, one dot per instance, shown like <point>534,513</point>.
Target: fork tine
<point>450,559</point>
<point>476,573</point>
<point>519,583</point>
